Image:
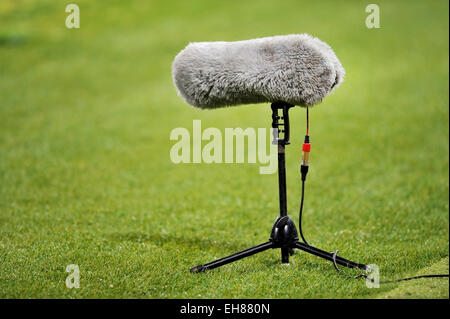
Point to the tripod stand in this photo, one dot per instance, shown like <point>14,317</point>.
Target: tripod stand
<point>284,233</point>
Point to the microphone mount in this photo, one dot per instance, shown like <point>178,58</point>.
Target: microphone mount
<point>284,107</point>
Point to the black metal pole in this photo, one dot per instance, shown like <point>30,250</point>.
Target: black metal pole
<point>282,194</point>
<point>282,180</point>
<point>282,142</point>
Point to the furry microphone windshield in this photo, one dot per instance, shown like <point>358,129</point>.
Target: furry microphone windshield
<point>297,69</point>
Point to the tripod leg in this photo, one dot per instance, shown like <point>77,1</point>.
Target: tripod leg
<point>231,258</point>
<point>329,256</point>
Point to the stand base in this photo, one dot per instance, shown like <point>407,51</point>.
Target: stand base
<point>283,236</point>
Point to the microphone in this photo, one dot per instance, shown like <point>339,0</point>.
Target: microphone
<point>297,69</point>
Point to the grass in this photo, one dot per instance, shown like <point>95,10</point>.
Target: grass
<point>86,178</point>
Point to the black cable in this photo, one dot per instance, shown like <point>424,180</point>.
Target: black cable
<point>301,213</point>
<point>415,277</point>
<point>385,281</point>
<point>404,279</point>
<point>304,172</point>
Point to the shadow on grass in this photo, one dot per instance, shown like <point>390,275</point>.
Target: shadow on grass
<point>270,262</point>
<point>12,39</point>
<point>179,240</point>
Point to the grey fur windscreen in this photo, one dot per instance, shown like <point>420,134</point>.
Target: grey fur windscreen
<point>298,69</point>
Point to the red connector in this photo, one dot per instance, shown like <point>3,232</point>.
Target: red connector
<point>305,157</point>
<point>306,149</point>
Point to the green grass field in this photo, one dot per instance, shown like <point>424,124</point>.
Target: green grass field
<point>86,177</point>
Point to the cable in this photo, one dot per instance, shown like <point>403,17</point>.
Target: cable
<point>306,149</point>
<point>307,120</point>
<point>301,213</point>
<point>304,171</point>
<point>362,275</point>
<point>415,277</point>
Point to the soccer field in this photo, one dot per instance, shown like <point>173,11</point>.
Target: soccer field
<point>86,176</point>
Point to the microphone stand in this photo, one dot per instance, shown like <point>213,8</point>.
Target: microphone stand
<point>284,232</point>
